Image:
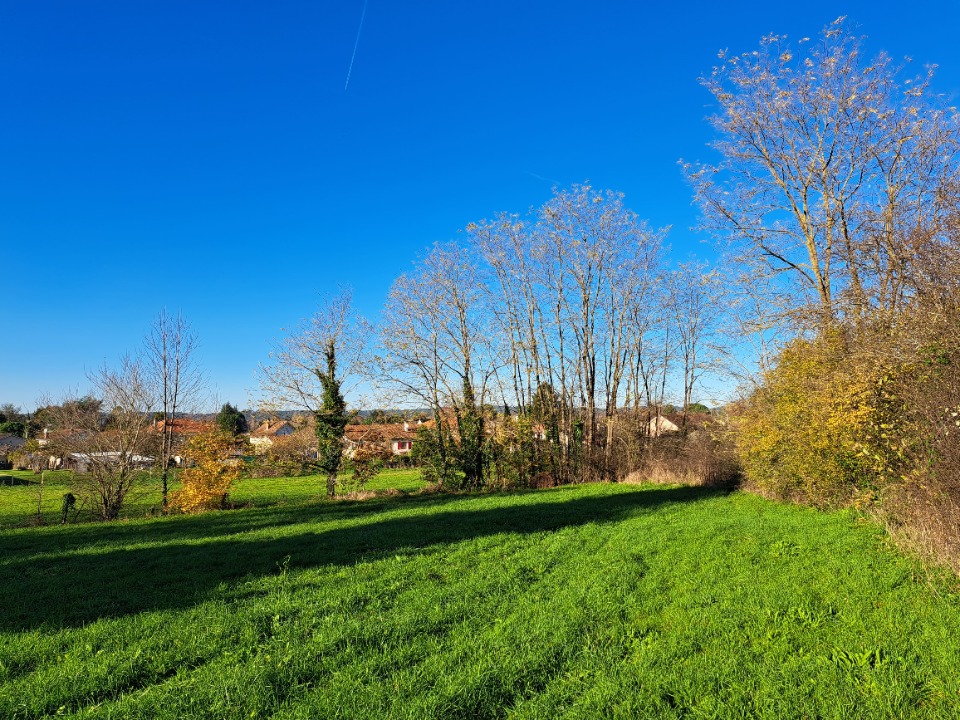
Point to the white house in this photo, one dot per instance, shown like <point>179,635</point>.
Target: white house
<point>661,426</point>
<point>263,437</point>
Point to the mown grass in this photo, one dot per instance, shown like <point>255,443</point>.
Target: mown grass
<point>583,602</point>
<point>19,503</point>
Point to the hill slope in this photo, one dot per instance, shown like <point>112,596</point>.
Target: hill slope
<point>593,601</point>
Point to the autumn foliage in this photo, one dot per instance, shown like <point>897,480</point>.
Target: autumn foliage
<point>800,434</point>
<point>206,483</point>
<point>865,415</point>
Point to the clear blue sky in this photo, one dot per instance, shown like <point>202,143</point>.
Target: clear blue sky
<point>206,156</point>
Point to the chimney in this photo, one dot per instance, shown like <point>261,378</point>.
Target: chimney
<point>406,426</point>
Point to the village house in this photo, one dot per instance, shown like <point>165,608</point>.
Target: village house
<point>268,432</point>
<point>9,444</point>
<point>660,425</point>
<point>183,426</point>
<point>81,462</point>
<point>395,438</point>
<point>182,430</point>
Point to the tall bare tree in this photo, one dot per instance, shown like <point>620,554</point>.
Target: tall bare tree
<point>438,347</point>
<point>834,168</point>
<point>169,359</point>
<point>566,288</point>
<point>696,305</point>
<point>289,380</point>
<point>601,261</point>
<point>411,365</point>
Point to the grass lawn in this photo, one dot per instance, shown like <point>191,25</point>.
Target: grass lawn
<point>18,503</point>
<point>582,602</point>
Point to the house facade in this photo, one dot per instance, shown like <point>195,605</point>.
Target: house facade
<point>268,432</point>
<point>394,438</point>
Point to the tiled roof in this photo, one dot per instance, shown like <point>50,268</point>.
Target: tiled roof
<point>380,432</point>
<point>9,442</point>
<point>184,426</point>
<point>270,428</point>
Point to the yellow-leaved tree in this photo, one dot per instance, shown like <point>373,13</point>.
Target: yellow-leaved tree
<point>206,483</point>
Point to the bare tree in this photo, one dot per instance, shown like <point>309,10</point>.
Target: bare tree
<point>696,305</point>
<point>290,380</point>
<point>107,434</point>
<point>563,315</point>
<point>504,245</point>
<point>411,363</point>
<point>438,348</point>
<point>169,359</point>
<point>313,368</point>
<point>566,289</point>
<point>759,319</point>
<point>600,262</point>
<point>833,169</point>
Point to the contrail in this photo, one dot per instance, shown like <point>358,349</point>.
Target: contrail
<point>356,44</point>
<point>541,177</point>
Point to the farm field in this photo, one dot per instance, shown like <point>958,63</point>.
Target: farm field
<point>18,503</point>
<point>581,602</point>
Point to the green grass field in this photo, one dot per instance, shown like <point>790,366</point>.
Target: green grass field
<point>581,602</point>
<point>18,503</point>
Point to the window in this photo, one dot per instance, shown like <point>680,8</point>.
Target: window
<point>403,445</point>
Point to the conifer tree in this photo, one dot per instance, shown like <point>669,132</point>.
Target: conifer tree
<point>231,420</point>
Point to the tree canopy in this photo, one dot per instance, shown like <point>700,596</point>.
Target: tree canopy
<point>838,172</point>
<point>231,420</point>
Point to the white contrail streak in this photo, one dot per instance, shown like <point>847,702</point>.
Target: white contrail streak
<point>356,44</point>
<point>541,177</point>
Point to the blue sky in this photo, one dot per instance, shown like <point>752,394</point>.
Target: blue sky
<point>206,156</point>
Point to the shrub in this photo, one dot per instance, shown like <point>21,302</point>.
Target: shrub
<point>293,454</point>
<point>435,452</point>
<point>12,427</point>
<point>367,462</point>
<point>515,458</point>
<point>921,448</point>
<point>801,434</point>
<point>867,414</point>
<point>205,484</point>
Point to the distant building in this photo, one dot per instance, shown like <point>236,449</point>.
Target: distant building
<point>268,431</point>
<point>183,426</point>
<point>81,462</point>
<point>659,425</point>
<point>395,438</point>
<point>9,444</point>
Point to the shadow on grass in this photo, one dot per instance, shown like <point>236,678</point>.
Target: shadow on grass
<point>195,555</point>
<point>12,480</point>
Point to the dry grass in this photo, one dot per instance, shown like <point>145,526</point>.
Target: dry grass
<point>680,471</point>
<point>923,524</point>
<point>698,459</point>
<point>661,473</point>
